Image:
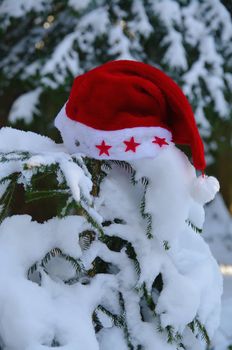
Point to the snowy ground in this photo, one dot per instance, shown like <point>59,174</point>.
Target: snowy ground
<point>218,233</point>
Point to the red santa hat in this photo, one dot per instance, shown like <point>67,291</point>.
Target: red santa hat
<point>128,110</point>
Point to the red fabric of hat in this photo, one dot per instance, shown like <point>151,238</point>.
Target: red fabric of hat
<point>128,102</point>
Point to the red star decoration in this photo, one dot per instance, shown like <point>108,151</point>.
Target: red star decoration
<point>104,149</point>
<point>131,145</point>
<point>160,141</point>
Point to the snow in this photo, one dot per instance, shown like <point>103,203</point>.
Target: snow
<point>170,14</point>
<point>120,44</point>
<point>169,10</point>
<point>218,230</point>
<point>141,24</point>
<point>52,310</point>
<point>159,178</point>
<point>207,28</point>
<point>76,179</point>
<point>18,140</point>
<point>204,189</point>
<point>112,338</point>
<point>218,234</point>
<point>187,265</point>
<point>217,15</point>
<point>42,151</point>
<point>97,19</point>
<point>78,5</point>
<point>49,309</point>
<point>18,8</point>
<point>201,25</point>
<point>172,299</point>
<point>223,337</point>
<point>63,59</point>
<point>24,107</point>
<point>175,54</point>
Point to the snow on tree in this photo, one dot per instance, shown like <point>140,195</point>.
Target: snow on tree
<point>121,264</point>
<point>108,270</point>
<point>104,272</point>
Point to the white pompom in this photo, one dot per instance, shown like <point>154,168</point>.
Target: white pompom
<point>204,189</point>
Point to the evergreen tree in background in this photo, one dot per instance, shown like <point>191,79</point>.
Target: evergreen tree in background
<point>45,44</point>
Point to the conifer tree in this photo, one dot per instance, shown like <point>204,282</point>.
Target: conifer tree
<point>88,267</point>
<point>117,265</point>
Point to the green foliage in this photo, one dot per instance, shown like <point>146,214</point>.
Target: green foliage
<point>198,328</point>
<point>132,255</point>
<point>166,245</point>
<point>194,227</point>
<point>202,331</point>
<point>43,182</point>
<point>149,299</point>
<point>144,214</point>
<point>34,272</point>
<point>8,195</point>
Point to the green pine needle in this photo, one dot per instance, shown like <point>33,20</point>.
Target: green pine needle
<point>31,196</point>
<point>166,245</point>
<point>194,227</point>
<point>7,197</point>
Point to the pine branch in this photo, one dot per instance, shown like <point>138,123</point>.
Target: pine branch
<point>57,252</point>
<point>53,253</point>
<point>124,165</point>
<point>7,197</point>
<point>195,326</point>
<point>106,166</point>
<point>55,343</point>
<point>191,325</point>
<point>94,169</point>
<point>67,208</point>
<point>42,168</point>
<point>31,196</point>
<point>166,245</point>
<point>117,320</point>
<point>145,215</point>
<point>194,227</point>
<point>14,156</point>
<point>149,300</point>
<point>203,332</point>
<point>32,269</point>
<point>90,219</point>
<point>86,238</point>
<point>97,323</point>
<point>114,243</point>
<point>125,328</point>
<point>76,264</point>
<point>170,332</point>
<point>132,255</point>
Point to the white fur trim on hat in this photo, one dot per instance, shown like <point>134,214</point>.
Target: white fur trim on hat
<point>80,138</point>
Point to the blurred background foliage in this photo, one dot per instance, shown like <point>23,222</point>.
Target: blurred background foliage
<point>45,44</point>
